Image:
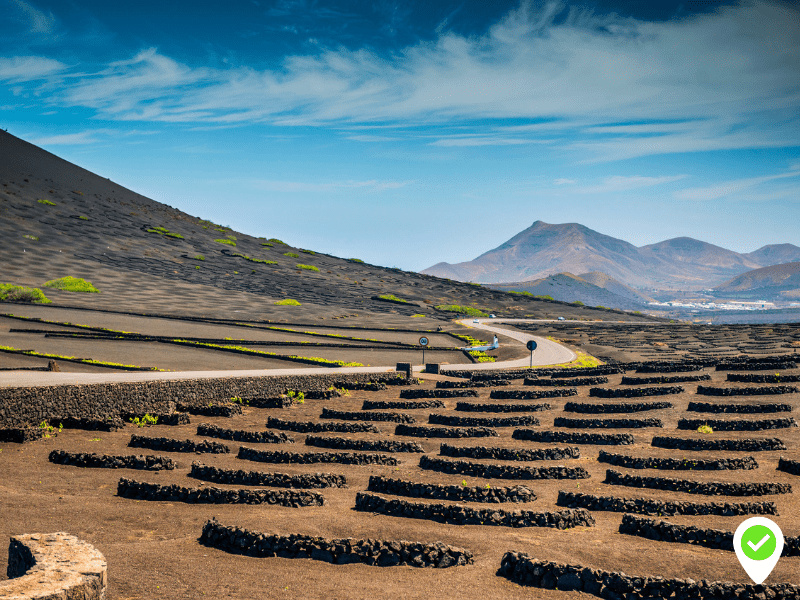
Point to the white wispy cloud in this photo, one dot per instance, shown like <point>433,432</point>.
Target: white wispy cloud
<point>624,183</point>
<point>19,69</point>
<point>712,81</point>
<point>37,21</point>
<point>735,186</point>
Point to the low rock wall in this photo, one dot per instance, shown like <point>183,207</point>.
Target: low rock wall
<point>210,409</point>
<point>522,421</point>
<point>314,427</point>
<point>672,367</point>
<point>588,372</point>
<point>677,464</point>
<point>464,515</point>
<point>239,477</point>
<point>706,488</point>
<point>20,435</point>
<point>438,393</point>
<point>789,466</point>
<point>409,405</point>
<point>444,432</point>
<point>457,493</point>
<point>393,417</point>
<point>53,565</point>
<point>739,445</point>
<point>449,385</point>
<point>708,407</point>
<point>339,443</point>
<point>763,390</point>
<point>635,392</point>
<point>605,408</point>
<point>137,490</point>
<point>604,439</point>
<point>737,424</point>
<point>532,394</point>
<point>490,471</point>
<point>757,366</point>
<point>606,423</point>
<point>664,379</point>
<point>170,445</point>
<point>576,381</point>
<point>105,461</point>
<point>500,408</point>
<point>238,435</point>
<point>380,553</point>
<point>644,506</point>
<point>310,458</point>
<point>521,454</point>
<point>761,378</point>
<point>527,570</point>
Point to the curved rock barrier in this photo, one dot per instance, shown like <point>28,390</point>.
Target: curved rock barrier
<point>522,421</point>
<point>339,443</point>
<point>759,378</point>
<point>500,408</point>
<point>509,453</point>
<point>464,515</point>
<point>310,458</point>
<point>444,432</point>
<point>531,395</point>
<point>323,394</point>
<point>238,435</point>
<point>527,570</point>
<point>765,390</point>
<point>410,405</point>
<point>707,407</point>
<point>740,445</point>
<point>274,402</point>
<point>664,390</point>
<point>671,367</point>
<point>604,439</point>
<point>789,466</point>
<point>678,464</point>
<point>110,424</point>
<point>239,477</point>
<point>658,508</point>
<point>606,423</point>
<point>137,490</point>
<point>625,407</point>
<point>210,409</point>
<point>489,471</point>
<point>379,553</point>
<point>449,385</point>
<point>314,427</point>
<point>21,435</point>
<point>588,372</point>
<point>664,379</point>
<point>737,424</point>
<point>53,565</point>
<point>413,489</point>
<point>369,386</point>
<point>170,445</point>
<point>342,415</point>
<point>706,488</point>
<point>663,531</point>
<point>105,461</point>
<point>757,366</point>
<point>576,381</point>
<point>456,393</point>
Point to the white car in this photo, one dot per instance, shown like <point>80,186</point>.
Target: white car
<point>492,317</point>
<point>475,321</point>
<point>561,319</point>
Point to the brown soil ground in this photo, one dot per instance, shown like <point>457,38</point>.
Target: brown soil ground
<point>152,547</point>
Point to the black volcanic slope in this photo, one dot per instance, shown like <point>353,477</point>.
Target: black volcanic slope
<point>58,219</point>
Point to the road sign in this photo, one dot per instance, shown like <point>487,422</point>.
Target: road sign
<point>531,345</point>
<point>423,341</point>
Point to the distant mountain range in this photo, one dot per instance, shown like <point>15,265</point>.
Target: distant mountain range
<point>544,249</point>
<point>775,282</point>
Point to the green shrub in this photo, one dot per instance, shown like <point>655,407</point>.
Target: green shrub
<point>164,231</point>
<point>308,267</point>
<point>221,229</point>
<point>71,284</point>
<point>224,241</point>
<point>287,302</point>
<point>31,237</point>
<point>267,244</point>
<point>705,429</point>
<point>291,254</point>
<point>17,293</point>
<point>393,298</point>
<point>255,260</point>
<point>199,257</point>
<point>82,218</point>
<point>578,303</point>
<point>355,260</point>
<point>308,251</point>
<point>416,316</point>
<point>146,421</point>
<point>464,310</point>
<point>174,235</point>
<point>46,202</point>
<point>276,241</point>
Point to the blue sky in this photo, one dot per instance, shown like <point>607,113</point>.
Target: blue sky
<point>407,133</point>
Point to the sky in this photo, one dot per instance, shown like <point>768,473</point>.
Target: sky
<point>410,132</point>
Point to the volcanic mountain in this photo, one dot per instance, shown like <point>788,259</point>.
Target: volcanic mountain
<point>57,219</point>
<point>544,249</point>
<point>775,282</point>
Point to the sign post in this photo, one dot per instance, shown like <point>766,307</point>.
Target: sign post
<point>531,346</point>
<point>423,341</point>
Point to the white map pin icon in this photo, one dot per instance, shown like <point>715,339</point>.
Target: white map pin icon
<point>758,543</point>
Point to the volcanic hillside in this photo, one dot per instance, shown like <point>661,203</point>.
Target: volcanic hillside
<point>57,219</point>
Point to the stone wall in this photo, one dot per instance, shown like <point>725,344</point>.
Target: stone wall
<point>314,427</point>
<point>606,423</point>
<point>763,390</point>
<point>310,458</point>
<point>500,408</point>
<point>240,477</point>
<point>415,489</point>
<point>54,565</point>
<point>737,424</point>
<point>605,439</point>
<point>344,415</point>
<point>531,395</point>
<point>614,407</point>
<point>740,445</point>
<point>170,445</point>
<point>707,488</point>
<point>664,379</point>
<point>105,461</point>
<point>521,421</point>
<point>339,443</point>
<point>635,392</point>
<point>644,506</point>
<point>490,471</point>
<point>677,464</point>
<point>509,453</point>
<point>402,404</point>
<point>238,435</point>
<point>444,432</point>
<point>709,407</point>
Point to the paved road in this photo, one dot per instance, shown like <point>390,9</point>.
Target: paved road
<point>547,353</point>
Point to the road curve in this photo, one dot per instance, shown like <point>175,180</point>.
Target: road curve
<point>547,353</point>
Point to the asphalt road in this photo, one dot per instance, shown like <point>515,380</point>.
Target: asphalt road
<point>547,353</point>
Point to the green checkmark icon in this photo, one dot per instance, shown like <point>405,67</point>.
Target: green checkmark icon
<point>758,542</point>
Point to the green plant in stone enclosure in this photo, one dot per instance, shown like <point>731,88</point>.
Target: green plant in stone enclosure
<point>238,400</point>
<point>199,257</point>
<point>296,397</point>
<point>225,241</point>
<point>392,297</point>
<point>146,421</point>
<point>308,252</point>
<point>49,430</point>
<point>17,293</point>
<point>287,302</point>
<point>34,238</point>
<point>72,284</point>
<point>83,218</point>
<point>291,254</point>
<point>276,241</point>
<point>46,202</point>
<point>308,267</point>
<point>705,429</point>
<point>463,310</point>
